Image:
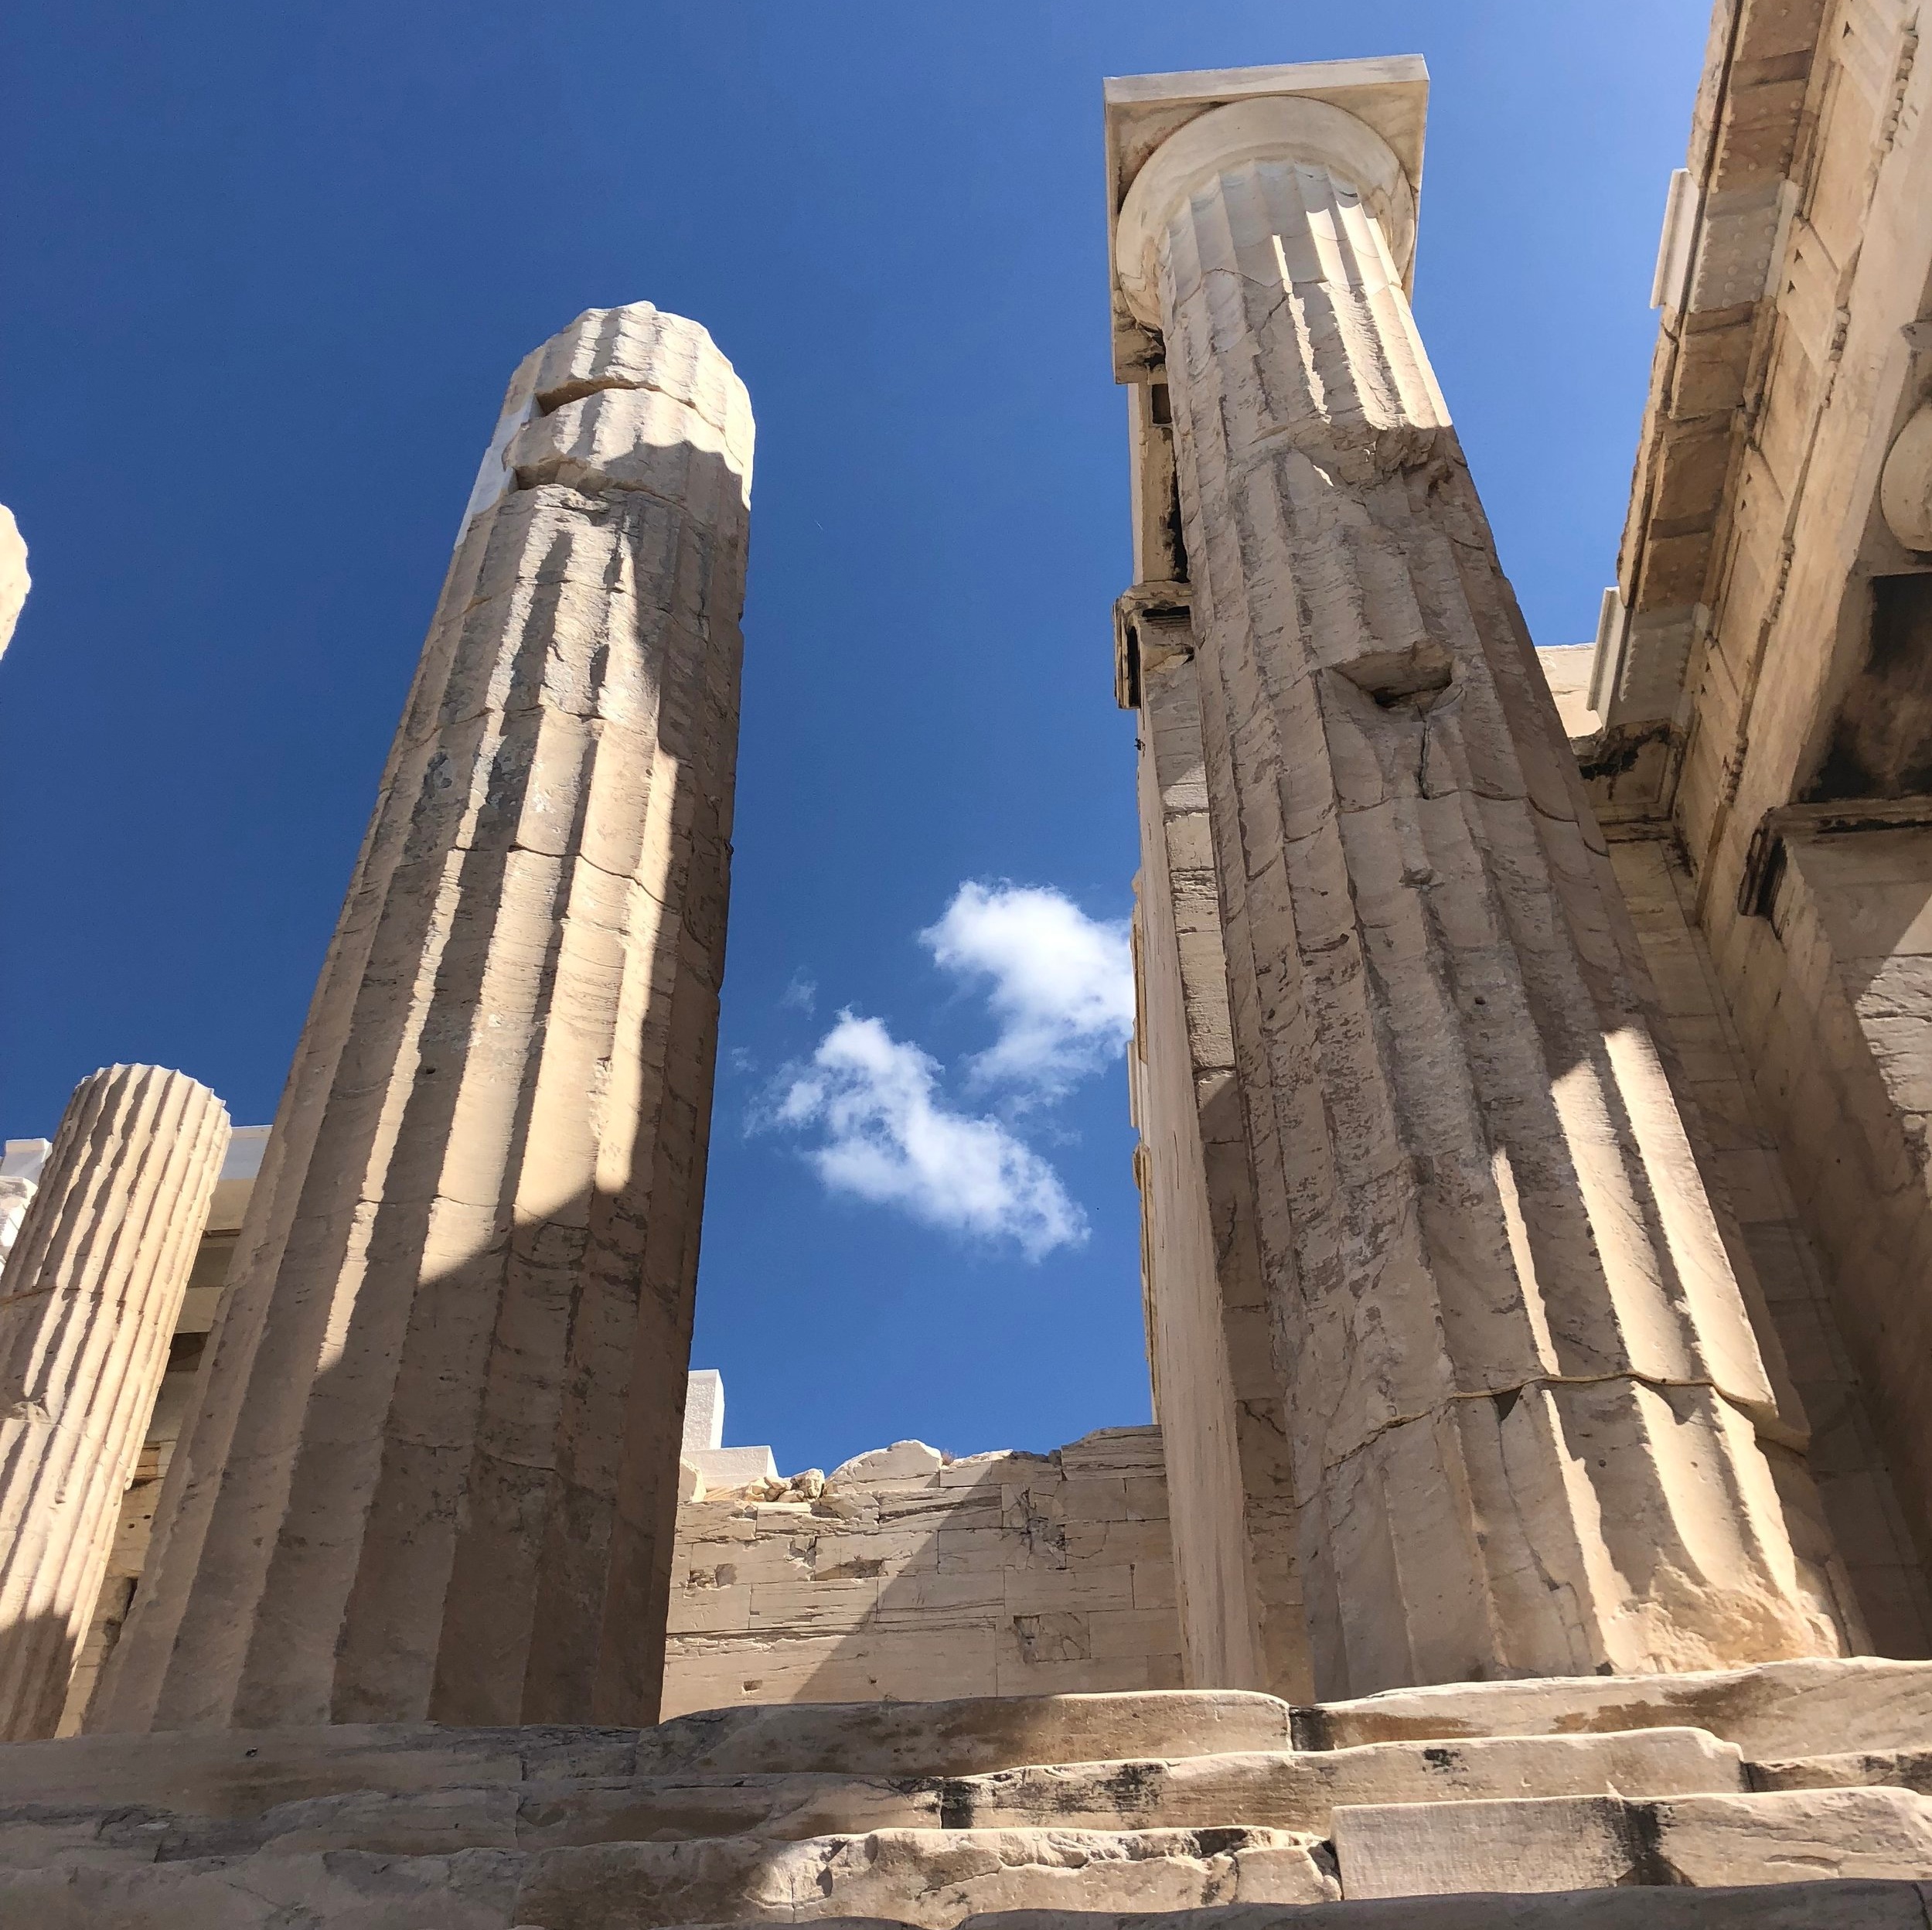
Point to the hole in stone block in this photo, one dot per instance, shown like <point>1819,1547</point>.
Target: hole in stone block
<point>1413,679</point>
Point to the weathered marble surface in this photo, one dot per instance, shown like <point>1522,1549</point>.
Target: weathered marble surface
<point>434,1471</point>
<point>88,1305</point>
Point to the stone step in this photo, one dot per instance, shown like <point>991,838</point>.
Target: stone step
<point>1269,1790</point>
<point>1896,1768</point>
<point>1300,1791</point>
<point>497,1890</point>
<point>242,1772</point>
<point>967,1737</point>
<point>1593,1843</point>
<point>1781,1712</point>
<point>1849,1905</point>
<point>931,1879</point>
<point>1819,1706</point>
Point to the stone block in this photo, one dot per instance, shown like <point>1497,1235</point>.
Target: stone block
<point>1793,1906</point>
<point>1892,1768</point>
<point>887,1551</point>
<point>904,1461</point>
<point>1782,1709</point>
<point>931,1878</point>
<point>718,1610</point>
<point>1589,1843</point>
<point>1103,1498</point>
<point>962,1550</point>
<point>1114,1543</point>
<point>708,1565</point>
<point>235,1773</point>
<point>812,1606</point>
<point>1153,1585</point>
<point>1043,1591</point>
<point>475,1890</point>
<point>1300,1792</point>
<point>787,1808</point>
<point>955,1737</point>
<point>1069,1674</point>
<point>915,1594</point>
<point>970,1470</point>
<point>1114,1451</point>
<point>1139,1631</point>
<point>726,1470</point>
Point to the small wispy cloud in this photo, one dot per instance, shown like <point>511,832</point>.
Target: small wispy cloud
<point>889,1138</point>
<point>1061,983</point>
<point>801,995</point>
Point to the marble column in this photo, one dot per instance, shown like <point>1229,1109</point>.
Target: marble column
<point>1521,1392</point>
<point>434,1471</point>
<point>88,1305</point>
<point>21,1161</point>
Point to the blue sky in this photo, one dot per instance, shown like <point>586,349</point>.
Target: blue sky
<point>271,267</point>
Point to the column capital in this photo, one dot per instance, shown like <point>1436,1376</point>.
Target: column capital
<point>1166,133</point>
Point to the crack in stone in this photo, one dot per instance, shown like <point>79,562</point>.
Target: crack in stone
<point>1515,1391</point>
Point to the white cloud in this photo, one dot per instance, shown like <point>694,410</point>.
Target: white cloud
<point>1062,983</point>
<point>890,1138</point>
<point>801,995</point>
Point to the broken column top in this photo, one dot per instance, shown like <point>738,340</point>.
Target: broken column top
<point>1385,99</point>
<point>638,347</point>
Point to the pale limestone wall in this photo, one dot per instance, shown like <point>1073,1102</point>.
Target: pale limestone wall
<point>1000,1574</point>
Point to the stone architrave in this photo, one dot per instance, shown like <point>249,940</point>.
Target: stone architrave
<point>92,1291</point>
<point>433,1474</point>
<point>1521,1392</point>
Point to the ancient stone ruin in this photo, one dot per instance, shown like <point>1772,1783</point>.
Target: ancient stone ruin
<point>1532,1075</point>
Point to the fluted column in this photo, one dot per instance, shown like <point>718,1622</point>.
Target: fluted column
<point>435,1473</point>
<point>1520,1390</point>
<point>88,1305</point>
